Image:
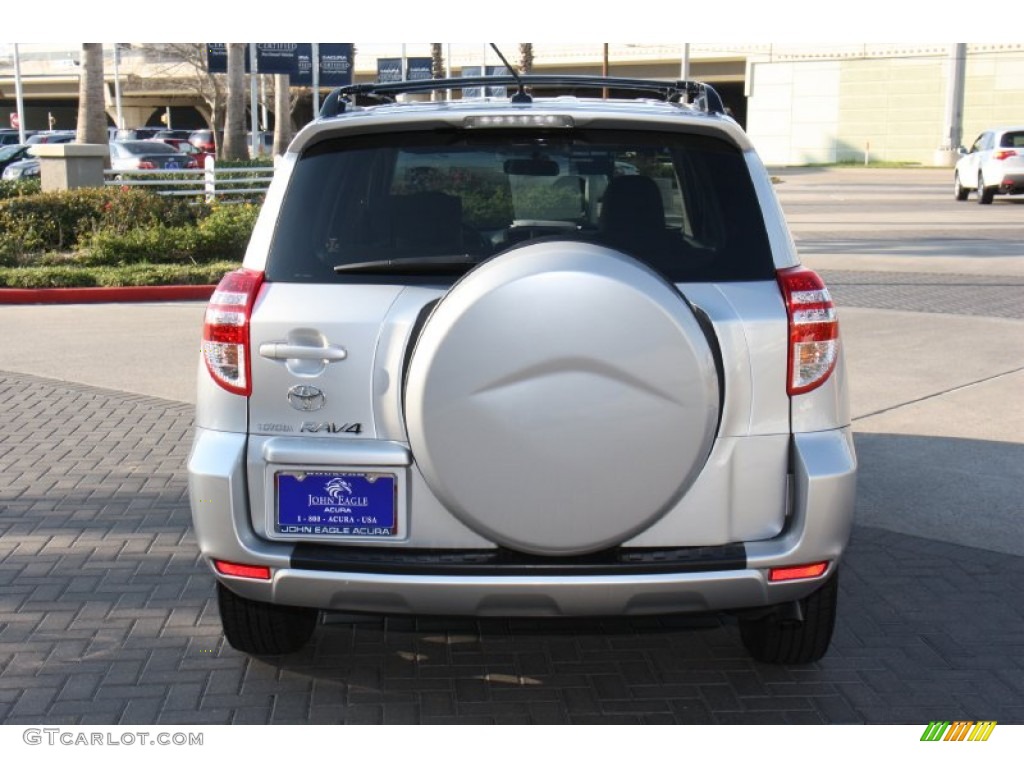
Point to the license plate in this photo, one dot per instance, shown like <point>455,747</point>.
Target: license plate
<point>171,164</point>
<point>359,504</point>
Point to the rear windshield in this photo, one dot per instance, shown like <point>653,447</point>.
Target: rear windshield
<point>145,148</point>
<point>684,204</point>
<point>1015,139</point>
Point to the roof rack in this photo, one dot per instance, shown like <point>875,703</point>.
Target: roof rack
<point>700,95</point>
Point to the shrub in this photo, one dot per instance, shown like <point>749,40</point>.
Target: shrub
<point>60,221</point>
<point>19,188</point>
<point>135,274</point>
<point>223,234</point>
<point>158,245</point>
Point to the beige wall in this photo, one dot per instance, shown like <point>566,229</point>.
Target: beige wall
<point>995,91</point>
<point>824,111</point>
<point>895,106</point>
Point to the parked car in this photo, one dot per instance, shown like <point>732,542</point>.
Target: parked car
<point>147,155</point>
<point>51,137</point>
<point>172,133</point>
<point>523,357</point>
<point>13,153</point>
<point>994,165</point>
<point>186,147</point>
<point>11,136</point>
<point>136,134</point>
<point>203,140</point>
<point>22,169</point>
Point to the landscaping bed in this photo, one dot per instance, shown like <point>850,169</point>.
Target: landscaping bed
<point>113,237</point>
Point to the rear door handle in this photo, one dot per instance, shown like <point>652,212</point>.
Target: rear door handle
<point>282,350</point>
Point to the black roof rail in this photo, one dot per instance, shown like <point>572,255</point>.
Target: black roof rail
<point>701,95</point>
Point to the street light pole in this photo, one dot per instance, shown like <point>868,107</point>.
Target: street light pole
<point>19,96</point>
<point>316,79</point>
<point>254,106</point>
<point>117,85</point>
<point>953,124</point>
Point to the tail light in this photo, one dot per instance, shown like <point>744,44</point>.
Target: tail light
<point>813,329</point>
<point>809,571</point>
<point>241,570</point>
<point>191,163</point>
<point>1002,154</point>
<point>146,165</point>
<point>226,330</point>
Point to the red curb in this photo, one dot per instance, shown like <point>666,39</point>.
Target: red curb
<point>98,295</point>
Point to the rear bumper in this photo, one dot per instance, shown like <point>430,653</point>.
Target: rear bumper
<point>824,475</point>
<point>1012,184</point>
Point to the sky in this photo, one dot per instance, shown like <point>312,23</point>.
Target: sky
<point>536,20</point>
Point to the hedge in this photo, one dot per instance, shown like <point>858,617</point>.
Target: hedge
<point>117,227</point>
<point>73,276</point>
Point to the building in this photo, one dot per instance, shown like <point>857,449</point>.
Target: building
<point>800,103</point>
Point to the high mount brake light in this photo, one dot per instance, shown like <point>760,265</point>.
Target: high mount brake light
<point>226,330</point>
<point>813,329</point>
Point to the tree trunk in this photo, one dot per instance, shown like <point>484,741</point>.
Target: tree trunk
<point>437,67</point>
<point>525,58</point>
<point>282,114</point>
<point>92,113</point>
<point>234,121</point>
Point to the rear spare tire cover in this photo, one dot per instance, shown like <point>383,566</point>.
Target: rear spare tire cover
<point>561,398</point>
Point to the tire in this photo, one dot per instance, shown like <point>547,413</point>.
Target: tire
<point>985,194</point>
<point>546,390</point>
<point>263,629</point>
<point>774,640</point>
<point>960,192</point>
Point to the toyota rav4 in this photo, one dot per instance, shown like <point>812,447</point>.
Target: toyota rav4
<point>523,356</point>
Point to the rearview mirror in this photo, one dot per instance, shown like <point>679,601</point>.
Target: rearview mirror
<point>531,167</point>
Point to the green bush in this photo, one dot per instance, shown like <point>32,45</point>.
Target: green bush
<point>259,162</point>
<point>158,245</point>
<point>47,277</point>
<point>225,232</point>
<point>135,274</point>
<point>19,188</point>
<point>221,235</point>
<point>60,221</point>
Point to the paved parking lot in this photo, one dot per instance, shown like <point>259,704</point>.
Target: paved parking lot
<point>107,616</point>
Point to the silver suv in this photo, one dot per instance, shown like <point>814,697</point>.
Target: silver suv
<point>523,356</point>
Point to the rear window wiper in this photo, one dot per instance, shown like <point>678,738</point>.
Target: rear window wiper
<point>414,265</point>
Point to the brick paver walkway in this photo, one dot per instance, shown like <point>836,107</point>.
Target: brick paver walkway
<point>108,617</point>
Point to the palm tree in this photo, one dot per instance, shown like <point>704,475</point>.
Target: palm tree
<point>234,119</point>
<point>92,114</point>
<point>436,65</point>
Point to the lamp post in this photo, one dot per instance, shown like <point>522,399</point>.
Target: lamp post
<point>117,85</point>
<point>19,96</point>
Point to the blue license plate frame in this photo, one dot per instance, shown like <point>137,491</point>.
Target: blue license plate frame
<point>348,504</point>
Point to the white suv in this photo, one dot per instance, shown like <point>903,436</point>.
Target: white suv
<point>523,357</point>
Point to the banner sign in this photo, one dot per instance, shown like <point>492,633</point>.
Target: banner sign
<point>419,68</point>
<point>416,68</point>
<point>217,58</point>
<point>335,64</point>
<point>389,70</point>
<point>277,58</point>
<point>293,59</point>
